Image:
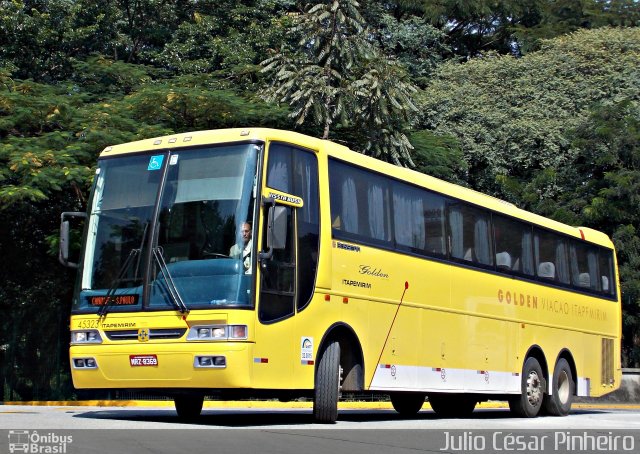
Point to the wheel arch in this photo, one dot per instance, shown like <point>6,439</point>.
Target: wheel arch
<point>351,355</point>
<point>535,351</point>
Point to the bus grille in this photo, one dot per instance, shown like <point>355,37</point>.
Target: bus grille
<point>607,362</point>
<point>132,334</point>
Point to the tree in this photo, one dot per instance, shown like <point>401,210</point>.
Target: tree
<point>416,44</point>
<point>518,26</point>
<point>511,115</point>
<point>226,39</point>
<point>439,156</point>
<point>337,74</point>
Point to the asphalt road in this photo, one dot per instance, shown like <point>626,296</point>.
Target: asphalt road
<point>291,430</point>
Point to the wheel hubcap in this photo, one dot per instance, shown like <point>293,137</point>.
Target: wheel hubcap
<point>534,393</point>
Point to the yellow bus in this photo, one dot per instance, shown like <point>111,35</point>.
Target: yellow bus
<point>264,263</point>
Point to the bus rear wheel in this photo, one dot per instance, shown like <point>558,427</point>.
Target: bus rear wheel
<point>407,404</point>
<point>533,385</point>
<point>188,406</point>
<point>327,386</point>
<point>562,390</point>
<point>452,405</point>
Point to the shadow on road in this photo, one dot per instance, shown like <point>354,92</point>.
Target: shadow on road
<point>294,417</point>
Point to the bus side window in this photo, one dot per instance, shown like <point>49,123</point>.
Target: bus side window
<point>512,241</point>
<point>470,234</point>
<point>551,256</point>
<point>408,217</point>
<point>360,204</point>
<point>344,201</point>
<point>584,266</point>
<point>605,268</point>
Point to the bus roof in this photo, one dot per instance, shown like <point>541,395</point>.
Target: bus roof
<point>200,138</point>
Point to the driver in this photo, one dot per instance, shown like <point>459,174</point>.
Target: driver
<point>243,251</point>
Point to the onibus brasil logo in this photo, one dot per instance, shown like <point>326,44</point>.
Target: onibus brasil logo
<point>32,442</point>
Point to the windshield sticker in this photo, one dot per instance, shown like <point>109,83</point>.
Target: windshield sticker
<point>174,160</point>
<point>155,163</point>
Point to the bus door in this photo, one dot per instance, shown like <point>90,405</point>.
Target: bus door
<point>287,263</point>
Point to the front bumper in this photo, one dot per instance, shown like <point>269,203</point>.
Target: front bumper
<point>175,368</point>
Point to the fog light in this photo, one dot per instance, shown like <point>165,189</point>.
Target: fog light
<point>216,362</point>
<point>206,361</point>
<point>85,363</point>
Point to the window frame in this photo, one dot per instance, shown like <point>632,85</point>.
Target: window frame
<point>393,246</point>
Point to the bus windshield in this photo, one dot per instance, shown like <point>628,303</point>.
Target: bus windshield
<point>168,226</point>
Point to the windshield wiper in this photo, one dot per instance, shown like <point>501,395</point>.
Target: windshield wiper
<point>102,312</point>
<point>176,299</point>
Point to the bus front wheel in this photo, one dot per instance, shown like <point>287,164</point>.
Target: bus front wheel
<point>327,386</point>
<point>533,385</point>
<point>188,406</point>
<point>562,390</point>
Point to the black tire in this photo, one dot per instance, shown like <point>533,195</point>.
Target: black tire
<point>452,405</point>
<point>188,406</point>
<point>562,390</point>
<point>533,386</point>
<point>407,404</point>
<point>327,386</point>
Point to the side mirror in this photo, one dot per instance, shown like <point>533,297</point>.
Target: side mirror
<point>277,230</point>
<point>63,251</point>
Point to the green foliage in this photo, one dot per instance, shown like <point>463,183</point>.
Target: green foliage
<point>42,39</point>
<point>337,74</point>
<point>417,45</point>
<point>511,115</point>
<point>191,102</point>
<point>439,156</point>
<point>103,77</point>
<point>313,79</point>
<point>230,41</point>
<point>518,26</point>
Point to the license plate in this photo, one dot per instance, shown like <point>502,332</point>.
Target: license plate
<point>143,360</point>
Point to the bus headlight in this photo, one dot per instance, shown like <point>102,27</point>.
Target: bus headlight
<point>217,332</point>
<point>89,336</point>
